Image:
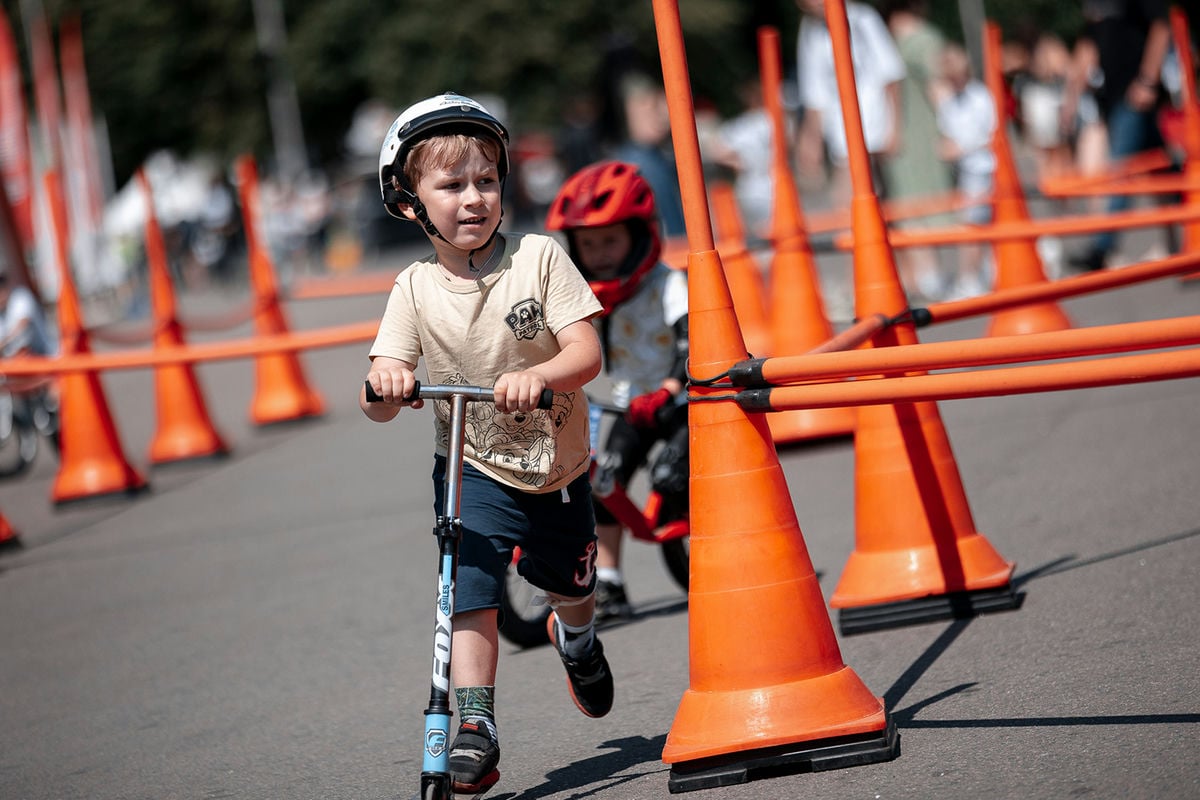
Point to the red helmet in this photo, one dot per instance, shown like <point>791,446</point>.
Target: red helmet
<point>609,193</point>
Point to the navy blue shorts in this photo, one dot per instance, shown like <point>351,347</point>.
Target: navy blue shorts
<point>556,534</point>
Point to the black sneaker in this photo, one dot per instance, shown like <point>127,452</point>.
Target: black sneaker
<point>589,679</point>
<point>473,759</point>
<point>1091,261</point>
<point>611,602</point>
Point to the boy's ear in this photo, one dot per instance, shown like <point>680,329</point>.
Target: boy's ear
<point>407,210</point>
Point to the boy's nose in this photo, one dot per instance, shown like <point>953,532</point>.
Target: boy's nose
<point>472,195</point>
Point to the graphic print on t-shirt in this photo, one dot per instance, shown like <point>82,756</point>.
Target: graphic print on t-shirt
<point>522,444</point>
<point>526,319</point>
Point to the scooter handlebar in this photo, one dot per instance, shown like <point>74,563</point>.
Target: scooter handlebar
<point>446,391</point>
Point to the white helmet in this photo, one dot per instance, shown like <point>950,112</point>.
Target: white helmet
<point>419,121</point>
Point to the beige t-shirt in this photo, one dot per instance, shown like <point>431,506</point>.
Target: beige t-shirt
<point>472,333</point>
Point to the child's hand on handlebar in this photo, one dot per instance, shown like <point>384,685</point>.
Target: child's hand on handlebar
<point>393,382</point>
<point>519,391</point>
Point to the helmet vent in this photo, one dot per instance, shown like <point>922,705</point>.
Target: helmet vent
<point>601,200</point>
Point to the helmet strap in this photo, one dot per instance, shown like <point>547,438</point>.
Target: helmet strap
<point>492,238</point>
<point>421,214</point>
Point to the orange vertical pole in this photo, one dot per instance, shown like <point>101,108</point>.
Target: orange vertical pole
<point>91,462</point>
<point>1018,262</point>
<point>753,589</point>
<point>1191,126</point>
<point>914,538</point>
<point>796,310</point>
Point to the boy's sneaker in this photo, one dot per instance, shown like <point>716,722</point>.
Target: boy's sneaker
<point>611,602</point>
<point>589,679</point>
<point>473,759</point>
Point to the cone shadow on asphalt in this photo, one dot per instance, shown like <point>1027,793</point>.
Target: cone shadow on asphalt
<point>1067,563</point>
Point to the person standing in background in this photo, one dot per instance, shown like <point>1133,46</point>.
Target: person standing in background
<point>1120,53</point>
<point>967,122</point>
<point>647,145</point>
<point>914,169</point>
<point>878,71</point>
<point>748,136</point>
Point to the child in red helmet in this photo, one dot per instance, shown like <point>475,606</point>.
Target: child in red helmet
<point>608,215</point>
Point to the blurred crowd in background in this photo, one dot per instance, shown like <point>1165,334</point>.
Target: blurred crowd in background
<point>327,217</point>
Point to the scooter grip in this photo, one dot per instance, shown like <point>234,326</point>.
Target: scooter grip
<point>375,397</point>
<point>546,401</point>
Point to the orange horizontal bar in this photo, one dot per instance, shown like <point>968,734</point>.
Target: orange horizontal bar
<point>188,354</point>
<point>344,286</point>
<point>853,336</point>
<point>1140,368</point>
<point>1031,229</point>
<point>894,210</point>
<point>1160,184</point>
<point>1140,164</point>
<point>1064,287</point>
<point>1098,340</point>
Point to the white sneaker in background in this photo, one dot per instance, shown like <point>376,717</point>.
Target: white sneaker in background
<point>966,286</point>
<point>1050,250</point>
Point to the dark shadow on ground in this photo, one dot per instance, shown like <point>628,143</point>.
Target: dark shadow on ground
<point>602,772</point>
<point>1066,563</point>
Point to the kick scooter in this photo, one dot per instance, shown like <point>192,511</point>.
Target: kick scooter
<point>435,766</point>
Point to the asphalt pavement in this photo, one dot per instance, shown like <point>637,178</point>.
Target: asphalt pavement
<point>259,626</point>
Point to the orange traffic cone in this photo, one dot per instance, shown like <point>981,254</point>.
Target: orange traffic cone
<point>787,699</point>
<point>796,309</point>
<point>9,538</point>
<point>741,270</point>
<point>1018,262</point>
<point>91,463</point>
<point>917,555</point>
<point>185,431</point>
<point>786,702</point>
<point>281,392</point>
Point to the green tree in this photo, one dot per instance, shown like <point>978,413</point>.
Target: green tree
<point>189,75</point>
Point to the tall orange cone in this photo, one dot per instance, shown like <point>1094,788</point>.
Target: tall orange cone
<point>917,554</point>
<point>1018,262</point>
<point>185,431</point>
<point>281,392</point>
<point>796,309</point>
<point>91,463</point>
<point>786,702</point>
<point>741,270</point>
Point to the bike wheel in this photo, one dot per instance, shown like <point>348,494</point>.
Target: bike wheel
<point>45,420</point>
<point>18,451</point>
<point>523,611</point>
<point>677,555</point>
